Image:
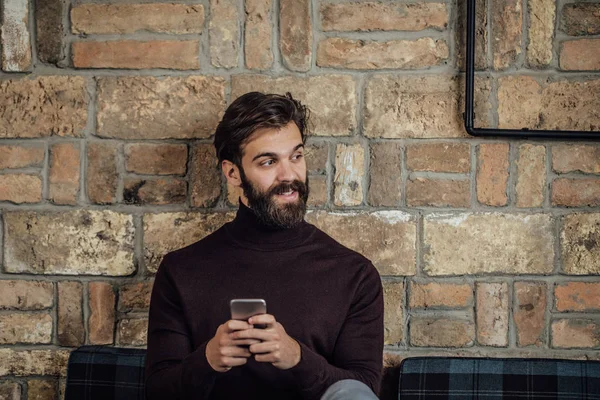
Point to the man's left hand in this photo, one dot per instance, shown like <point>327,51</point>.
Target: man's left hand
<point>276,346</point>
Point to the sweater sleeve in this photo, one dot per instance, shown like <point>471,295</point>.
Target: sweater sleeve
<point>174,369</point>
<point>358,352</point>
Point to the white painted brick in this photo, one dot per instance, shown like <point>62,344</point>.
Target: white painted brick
<point>16,45</point>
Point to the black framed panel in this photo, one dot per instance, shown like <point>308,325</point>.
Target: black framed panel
<point>469,115</point>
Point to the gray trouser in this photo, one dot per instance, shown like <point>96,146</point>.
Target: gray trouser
<point>349,389</point>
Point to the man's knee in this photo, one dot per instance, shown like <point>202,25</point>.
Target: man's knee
<point>349,389</point>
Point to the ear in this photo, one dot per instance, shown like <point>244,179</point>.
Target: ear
<point>232,173</point>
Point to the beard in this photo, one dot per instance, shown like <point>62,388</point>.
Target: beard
<point>266,208</point>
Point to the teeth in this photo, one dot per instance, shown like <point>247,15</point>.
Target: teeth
<point>287,193</point>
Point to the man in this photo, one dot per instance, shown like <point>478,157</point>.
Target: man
<point>323,333</point>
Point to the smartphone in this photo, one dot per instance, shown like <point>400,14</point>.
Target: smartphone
<point>242,309</point>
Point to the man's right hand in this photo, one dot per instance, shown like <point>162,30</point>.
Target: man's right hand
<point>223,352</point>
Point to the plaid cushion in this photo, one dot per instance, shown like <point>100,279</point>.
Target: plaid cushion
<point>481,378</point>
<point>107,373</point>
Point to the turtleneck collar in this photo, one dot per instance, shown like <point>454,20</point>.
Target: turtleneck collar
<point>249,231</point>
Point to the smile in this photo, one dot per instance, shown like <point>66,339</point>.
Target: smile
<point>289,195</point>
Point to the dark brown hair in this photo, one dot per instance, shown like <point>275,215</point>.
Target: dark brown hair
<point>253,111</point>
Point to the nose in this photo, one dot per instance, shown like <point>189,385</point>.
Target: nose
<point>285,172</point>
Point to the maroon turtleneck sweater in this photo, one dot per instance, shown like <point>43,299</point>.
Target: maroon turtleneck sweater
<point>327,297</point>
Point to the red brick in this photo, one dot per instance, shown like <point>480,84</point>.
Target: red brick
<point>510,244</point>
<point>531,176</point>
<point>102,175</point>
<point>318,191</point>
<point>119,19</point>
<point>492,314</point>
<point>525,102</point>
<point>576,192</point>
<point>440,295</point>
<point>43,106</point>
<point>441,332</point>
<point>579,239</point>
<point>332,99</point>
<point>135,296</point>
<point>577,296</point>
<point>102,313</point>
<point>386,177</point>
<point>542,14</point>
<point>156,159</point>
<point>423,192</point>
<point>76,242</point>
<point>507,31</point>
<point>368,55</point>
<point>391,234</point>
<point>439,157</point>
<point>481,34</point>
<point>316,156</point>
<point>154,191</point>
<point>377,16</point>
<point>33,362</point>
<point>10,391</point>
<point>205,176</point>
<point>165,232</point>
<point>71,331</point>
<point>64,173</point>
<point>133,332</point>
<point>50,30</point>
<point>258,33</point>
<point>25,328</point>
<point>580,55</point>
<point>575,333</point>
<point>492,174</point>
<point>581,18</point>
<point>423,107</point>
<point>20,188</point>
<point>21,156</point>
<point>295,36</point>
<point>191,105</point>
<point>26,295</point>
<point>133,54</point>
<point>576,158</point>
<point>41,389</point>
<point>530,313</point>
<point>223,33</point>
<point>393,318</point>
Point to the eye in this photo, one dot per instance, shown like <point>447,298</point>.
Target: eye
<point>297,156</point>
<point>267,163</point>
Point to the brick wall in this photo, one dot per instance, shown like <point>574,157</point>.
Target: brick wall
<point>486,247</point>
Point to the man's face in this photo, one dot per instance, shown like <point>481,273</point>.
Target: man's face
<point>273,176</point>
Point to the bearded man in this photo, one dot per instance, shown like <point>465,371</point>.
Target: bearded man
<point>322,336</point>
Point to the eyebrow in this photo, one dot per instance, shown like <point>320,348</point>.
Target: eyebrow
<point>273,155</point>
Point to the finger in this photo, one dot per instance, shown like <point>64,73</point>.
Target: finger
<point>273,357</point>
<point>260,334</point>
<point>234,325</point>
<point>264,347</point>
<point>235,351</point>
<point>233,361</point>
<point>262,319</point>
<point>243,342</point>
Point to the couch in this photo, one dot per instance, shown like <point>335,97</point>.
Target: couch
<point>111,373</point>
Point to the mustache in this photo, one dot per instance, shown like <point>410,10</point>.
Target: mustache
<point>284,187</point>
